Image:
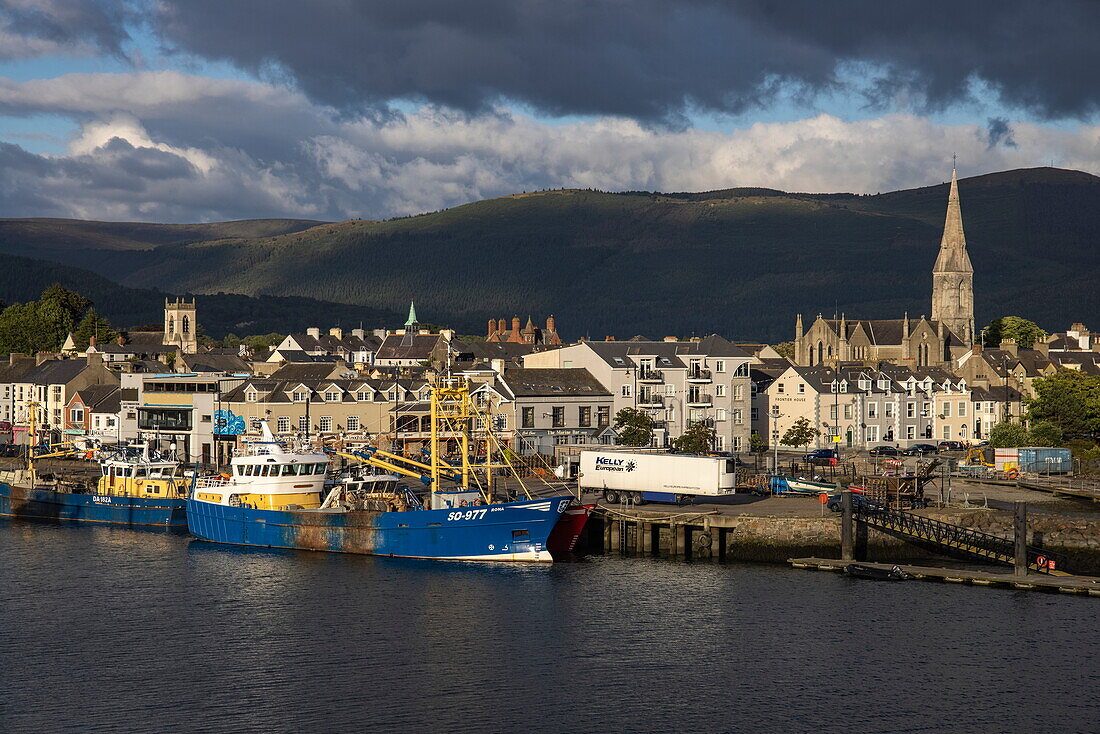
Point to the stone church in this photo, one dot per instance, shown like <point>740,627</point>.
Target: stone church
<point>911,342</point>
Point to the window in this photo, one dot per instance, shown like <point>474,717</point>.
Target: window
<point>872,433</point>
<point>76,415</point>
<point>353,422</point>
<point>626,391</point>
<point>557,414</point>
<point>962,409</point>
<point>844,386</point>
<point>363,396</point>
<point>779,387</point>
<point>721,443</point>
<point>738,416</point>
<point>719,365</point>
<point>832,412</point>
<point>205,419</point>
<point>738,392</point>
<point>872,410</point>
<point>720,414</point>
<point>864,384</point>
<point>719,390</point>
<point>299,396</point>
<point>670,414</point>
<point>756,414</point>
<point>947,433</point>
<point>910,410</point>
<point>883,384</point>
<point>910,432</point>
<point>332,396</point>
<point>584,416</point>
<point>325,423</point>
<point>742,370</point>
<point>738,445</point>
<point>946,409</point>
<point>303,423</point>
<point>603,416</point>
<point>801,388</point>
<point>670,389</point>
<point>528,417</point>
<point>250,396</point>
<point>889,412</point>
<point>848,412</point>
<point>282,425</point>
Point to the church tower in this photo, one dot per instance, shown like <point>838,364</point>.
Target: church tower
<point>180,325</point>
<point>953,275</point>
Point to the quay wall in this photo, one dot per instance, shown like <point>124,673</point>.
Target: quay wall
<point>771,539</point>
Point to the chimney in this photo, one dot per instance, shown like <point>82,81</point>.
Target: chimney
<point>551,325</point>
<point>492,327</point>
<point>359,333</point>
<point>502,327</point>
<point>314,331</point>
<point>609,338</point>
<point>337,332</point>
<point>95,358</point>
<point>671,339</point>
<point>381,333</point>
<point>91,340</point>
<point>447,334</point>
<point>1009,345</point>
<point>1042,347</point>
<point>41,357</point>
<point>976,349</point>
<point>497,365</point>
<point>120,341</point>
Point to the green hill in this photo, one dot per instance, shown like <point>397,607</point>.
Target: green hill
<point>22,279</point>
<point>740,262</point>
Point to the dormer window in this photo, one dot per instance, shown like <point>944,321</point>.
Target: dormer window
<point>883,384</point>
<point>299,396</point>
<point>844,386</point>
<point>332,396</point>
<point>864,384</point>
<point>363,396</point>
<point>250,396</point>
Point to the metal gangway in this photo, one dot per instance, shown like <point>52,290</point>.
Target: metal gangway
<point>954,540</point>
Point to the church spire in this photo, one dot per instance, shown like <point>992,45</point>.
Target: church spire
<point>411,322</point>
<point>953,257</point>
<point>953,274</point>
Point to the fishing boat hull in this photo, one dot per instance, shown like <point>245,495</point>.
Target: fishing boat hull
<point>513,531</point>
<point>46,504</point>
<point>791,486</point>
<point>563,538</point>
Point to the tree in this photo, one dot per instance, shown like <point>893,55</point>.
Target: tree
<point>42,325</point>
<point>92,325</point>
<point>785,349</point>
<point>1044,433</point>
<point>1068,399</point>
<point>635,427</point>
<point>1024,332</point>
<point>801,433</point>
<point>697,439</point>
<point>757,445</point>
<point>1008,436</point>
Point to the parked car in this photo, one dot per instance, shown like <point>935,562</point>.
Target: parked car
<point>920,449</point>
<point>883,451</point>
<point>9,450</point>
<point>821,457</point>
<point>951,446</point>
<point>859,502</point>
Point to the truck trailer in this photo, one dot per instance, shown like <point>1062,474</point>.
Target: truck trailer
<point>651,477</point>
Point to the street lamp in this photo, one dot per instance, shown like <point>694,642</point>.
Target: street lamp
<point>774,415</point>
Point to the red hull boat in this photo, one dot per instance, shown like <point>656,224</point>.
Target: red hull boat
<point>570,525</point>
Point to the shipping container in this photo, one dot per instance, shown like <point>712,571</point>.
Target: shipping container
<point>1041,460</point>
<point>640,476</point>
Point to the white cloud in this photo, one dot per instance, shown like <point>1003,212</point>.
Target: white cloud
<point>171,147</point>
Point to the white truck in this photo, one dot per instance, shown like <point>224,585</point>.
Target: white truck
<point>641,476</point>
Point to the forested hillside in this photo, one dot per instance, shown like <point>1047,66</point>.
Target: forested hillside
<point>740,262</point>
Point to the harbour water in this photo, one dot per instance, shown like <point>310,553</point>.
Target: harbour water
<point>113,630</point>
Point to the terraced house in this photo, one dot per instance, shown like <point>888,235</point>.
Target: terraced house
<point>678,383</point>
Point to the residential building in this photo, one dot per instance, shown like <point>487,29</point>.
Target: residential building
<point>356,347</point>
<point>49,386</point>
<point>552,408</point>
<point>498,331</point>
<point>677,383</point>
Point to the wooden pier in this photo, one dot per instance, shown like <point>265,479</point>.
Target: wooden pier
<point>1083,585</point>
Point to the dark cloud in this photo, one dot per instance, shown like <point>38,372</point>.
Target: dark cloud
<point>653,59</point>
<point>101,23</point>
<point>999,132</point>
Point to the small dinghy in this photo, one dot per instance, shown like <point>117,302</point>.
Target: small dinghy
<point>875,573</point>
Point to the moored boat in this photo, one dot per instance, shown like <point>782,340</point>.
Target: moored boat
<point>134,488</point>
<point>563,538</point>
<point>275,497</point>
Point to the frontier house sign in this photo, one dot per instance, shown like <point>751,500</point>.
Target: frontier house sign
<point>605,464</point>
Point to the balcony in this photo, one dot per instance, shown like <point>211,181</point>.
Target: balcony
<point>651,401</point>
<point>698,375</point>
<point>700,399</point>
<point>649,375</point>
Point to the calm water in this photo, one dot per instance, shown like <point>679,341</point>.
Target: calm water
<point>114,630</point>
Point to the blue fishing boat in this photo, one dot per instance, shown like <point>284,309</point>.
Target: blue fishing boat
<point>135,488</point>
<point>275,497</point>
